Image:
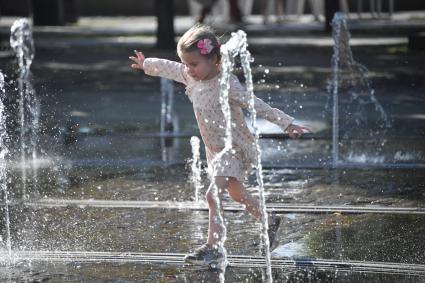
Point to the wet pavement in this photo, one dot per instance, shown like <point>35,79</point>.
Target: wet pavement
<point>116,155</point>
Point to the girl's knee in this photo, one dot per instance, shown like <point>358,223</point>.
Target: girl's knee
<point>221,183</point>
<point>210,198</point>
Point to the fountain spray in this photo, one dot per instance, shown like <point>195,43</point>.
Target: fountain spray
<point>3,171</point>
<point>350,75</point>
<point>237,45</point>
<point>196,166</point>
<point>21,41</point>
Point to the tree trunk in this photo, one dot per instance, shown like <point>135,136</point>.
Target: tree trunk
<point>164,10</point>
<point>331,7</point>
<point>48,12</point>
<point>70,11</point>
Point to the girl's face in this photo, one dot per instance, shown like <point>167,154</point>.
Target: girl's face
<point>200,67</point>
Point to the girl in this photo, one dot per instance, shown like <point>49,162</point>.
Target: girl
<point>199,51</point>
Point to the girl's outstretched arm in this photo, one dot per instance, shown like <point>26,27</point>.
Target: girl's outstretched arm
<point>239,96</point>
<point>296,131</point>
<point>159,67</point>
<point>139,60</point>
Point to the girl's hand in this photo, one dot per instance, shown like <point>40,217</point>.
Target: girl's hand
<point>139,60</point>
<point>296,131</point>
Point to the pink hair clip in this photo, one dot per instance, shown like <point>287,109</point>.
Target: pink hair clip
<point>205,45</point>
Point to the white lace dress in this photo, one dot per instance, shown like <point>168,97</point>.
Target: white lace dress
<point>205,98</point>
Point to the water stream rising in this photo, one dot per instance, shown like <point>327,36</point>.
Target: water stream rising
<point>237,45</point>
<point>168,122</point>
<point>3,169</point>
<point>352,96</point>
<point>196,166</point>
<point>21,41</point>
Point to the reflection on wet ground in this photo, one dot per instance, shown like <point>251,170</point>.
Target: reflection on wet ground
<point>328,236</point>
<point>362,237</point>
<point>131,272</point>
<point>388,187</point>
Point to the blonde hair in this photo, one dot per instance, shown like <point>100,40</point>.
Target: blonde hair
<point>189,40</point>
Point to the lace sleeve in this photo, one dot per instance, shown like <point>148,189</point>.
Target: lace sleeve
<point>165,68</point>
<point>239,96</point>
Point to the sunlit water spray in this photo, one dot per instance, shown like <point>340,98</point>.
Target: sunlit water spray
<point>169,125</point>
<point>168,119</point>
<point>352,96</point>
<point>237,45</point>
<point>196,166</point>
<point>3,169</point>
<point>21,40</point>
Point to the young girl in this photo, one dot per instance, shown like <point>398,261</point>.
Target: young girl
<point>199,51</point>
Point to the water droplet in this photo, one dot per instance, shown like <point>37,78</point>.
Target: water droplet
<point>266,71</point>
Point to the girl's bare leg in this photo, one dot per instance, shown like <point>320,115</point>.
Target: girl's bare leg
<point>238,193</point>
<point>214,229</point>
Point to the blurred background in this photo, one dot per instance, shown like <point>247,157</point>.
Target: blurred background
<point>65,12</point>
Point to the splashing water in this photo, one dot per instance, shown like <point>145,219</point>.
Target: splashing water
<point>3,171</point>
<point>196,166</point>
<point>168,118</point>
<point>349,77</point>
<point>237,45</point>
<point>21,41</point>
